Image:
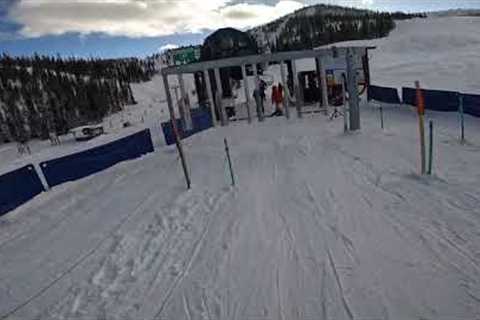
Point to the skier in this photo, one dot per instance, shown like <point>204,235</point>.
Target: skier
<point>277,100</point>
<point>260,97</point>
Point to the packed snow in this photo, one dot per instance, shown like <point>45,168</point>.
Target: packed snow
<point>320,225</point>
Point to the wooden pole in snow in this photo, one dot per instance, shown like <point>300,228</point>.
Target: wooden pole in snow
<point>178,141</point>
<point>421,124</point>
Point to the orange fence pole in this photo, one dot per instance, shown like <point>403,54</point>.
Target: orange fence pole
<point>421,124</point>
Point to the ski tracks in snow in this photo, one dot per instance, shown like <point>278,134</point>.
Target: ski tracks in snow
<point>139,264</point>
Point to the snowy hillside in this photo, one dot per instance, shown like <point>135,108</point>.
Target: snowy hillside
<point>456,13</point>
<point>321,224</point>
<point>440,52</point>
<point>322,24</point>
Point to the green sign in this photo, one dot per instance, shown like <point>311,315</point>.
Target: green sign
<point>186,55</point>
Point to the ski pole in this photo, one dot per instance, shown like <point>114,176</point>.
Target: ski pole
<point>227,151</point>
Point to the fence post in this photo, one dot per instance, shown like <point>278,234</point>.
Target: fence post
<point>421,124</point>
<point>430,149</point>
<point>462,119</point>
<point>227,151</point>
<point>381,117</point>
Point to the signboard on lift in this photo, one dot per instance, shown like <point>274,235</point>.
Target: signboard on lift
<point>181,56</point>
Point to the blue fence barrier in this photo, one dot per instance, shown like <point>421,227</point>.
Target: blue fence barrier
<point>436,100</point>
<point>82,164</point>
<point>383,94</point>
<point>471,104</point>
<point>17,187</point>
<point>201,120</point>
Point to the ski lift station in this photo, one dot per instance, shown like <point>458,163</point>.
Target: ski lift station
<point>228,69</point>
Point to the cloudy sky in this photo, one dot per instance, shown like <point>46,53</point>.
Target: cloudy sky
<point>113,28</point>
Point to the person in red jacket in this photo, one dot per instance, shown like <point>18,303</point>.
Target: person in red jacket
<point>277,100</point>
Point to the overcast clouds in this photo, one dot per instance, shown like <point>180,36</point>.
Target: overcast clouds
<point>141,18</point>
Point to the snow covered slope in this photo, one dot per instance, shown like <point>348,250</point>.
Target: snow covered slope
<point>440,52</point>
<point>321,225</point>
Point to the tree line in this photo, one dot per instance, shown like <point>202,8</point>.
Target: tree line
<point>41,95</point>
<point>324,24</point>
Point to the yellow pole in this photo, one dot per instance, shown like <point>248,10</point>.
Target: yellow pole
<point>421,125</point>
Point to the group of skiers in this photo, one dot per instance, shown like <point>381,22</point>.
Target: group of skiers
<point>277,98</point>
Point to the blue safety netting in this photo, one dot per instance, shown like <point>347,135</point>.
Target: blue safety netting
<point>17,187</point>
<point>471,104</point>
<point>201,120</point>
<point>383,94</point>
<point>436,100</point>
<point>82,164</point>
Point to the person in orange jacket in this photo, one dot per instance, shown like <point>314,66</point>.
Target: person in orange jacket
<point>277,100</point>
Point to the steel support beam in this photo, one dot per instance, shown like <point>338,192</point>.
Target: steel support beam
<point>323,82</point>
<point>286,93</point>
<point>185,104</point>
<point>206,77</point>
<point>352,88</point>
<point>296,90</point>
<point>247,93</point>
<point>253,59</point>
<point>258,99</point>
<point>219,97</point>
